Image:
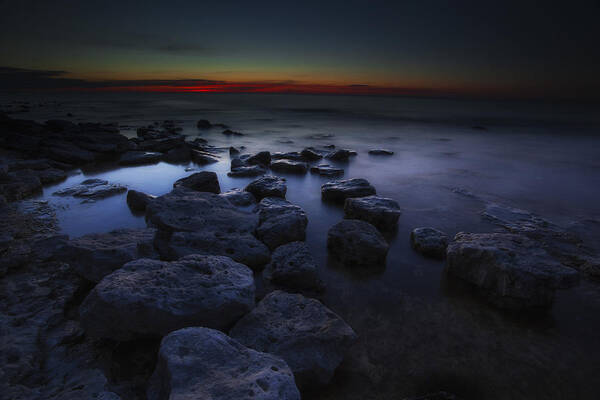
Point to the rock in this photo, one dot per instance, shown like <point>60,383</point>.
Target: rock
<point>280,222</point>
<point>237,163</point>
<point>310,154</point>
<point>140,158</point>
<point>204,124</point>
<point>339,155</point>
<point>51,175</point>
<point>326,170</point>
<point>289,166</point>
<point>162,144</point>
<point>59,125</point>
<point>92,189</point>
<point>37,165</point>
<point>137,201</point>
<point>292,155</point>
<point>229,132</point>
<point>292,266</point>
<point>151,297</point>
<point>69,153</point>
<point>19,185</point>
<point>239,197</point>
<point>239,172</point>
<point>510,270</point>
<point>181,154</point>
<point>307,335</point>
<point>357,243</point>
<point>233,151</point>
<point>261,158</point>
<point>267,186</point>
<point>202,363</point>
<point>429,242</point>
<point>381,212</point>
<point>203,158</point>
<point>205,181</point>
<point>96,255</point>
<point>381,152</point>
<point>341,190</point>
<point>191,222</point>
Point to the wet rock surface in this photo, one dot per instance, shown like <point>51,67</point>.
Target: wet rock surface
<point>429,241</point>
<point>510,270</point>
<point>191,222</point>
<point>381,152</point>
<point>296,167</point>
<point>267,186</point>
<point>151,297</point>
<point>357,243</point>
<point>239,197</point>
<point>381,212</point>
<point>292,266</point>
<point>96,255</point>
<point>202,363</point>
<point>327,170</point>
<point>138,201</point>
<point>140,157</point>
<point>242,171</point>
<point>205,181</point>
<point>341,190</point>
<point>280,222</point>
<point>307,335</point>
<point>339,155</point>
<point>92,189</point>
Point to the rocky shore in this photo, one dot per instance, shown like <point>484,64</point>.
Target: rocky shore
<point>182,294</point>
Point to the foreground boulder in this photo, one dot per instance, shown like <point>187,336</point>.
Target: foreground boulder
<point>293,266</point>
<point>96,255</point>
<point>510,270</point>
<point>191,222</point>
<point>205,181</point>
<point>381,212</point>
<point>339,191</point>
<point>280,222</point>
<point>151,297</point>
<point>202,363</point>
<point>92,189</point>
<point>357,243</point>
<point>267,186</point>
<point>138,201</point>
<point>429,241</point>
<point>306,334</point>
<point>140,157</point>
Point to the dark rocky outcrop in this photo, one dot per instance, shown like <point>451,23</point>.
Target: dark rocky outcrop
<point>140,158</point>
<point>510,270</point>
<point>137,201</point>
<point>201,363</point>
<point>205,181</point>
<point>151,297</point>
<point>429,241</point>
<point>296,167</point>
<point>310,154</point>
<point>306,334</point>
<point>341,190</point>
<point>267,186</point>
<point>357,243</point>
<point>280,222</point>
<point>381,212</point>
<point>262,158</point>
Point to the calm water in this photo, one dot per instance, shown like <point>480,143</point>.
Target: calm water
<point>419,331</point>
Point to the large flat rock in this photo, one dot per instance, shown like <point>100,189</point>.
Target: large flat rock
<point>311,338</point>
<point>343,189</point>
<point>201,363</point>
<point>381,212</point>
<point>510,270</point>
<point>151,297</point>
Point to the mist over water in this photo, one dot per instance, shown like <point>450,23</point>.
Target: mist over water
<point>419,330</point>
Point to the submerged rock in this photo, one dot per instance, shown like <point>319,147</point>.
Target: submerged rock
<point>137,201</point>
<point>192,222</point>
<point>293,266</point>
<point>510,270</point>
<point>307,335</point>
<point>92,189</point>
<point>96,255</point>
<point>429,242</point>
<point>326,170</point>
<point>341,190</point>
<point>381,152</point>
<point>202,363</point>
<point>151,297</point>
<point>267,186</point>
<point>381,212</point>
<point>205,181</point>
<point>280,222</point>
<point>357,243</point>
<point>239,197</point>
<point>296,167</point>
<point>140,157</point>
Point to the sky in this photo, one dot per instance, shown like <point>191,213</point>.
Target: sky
<point>426,47</point>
